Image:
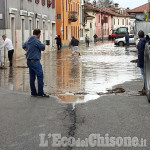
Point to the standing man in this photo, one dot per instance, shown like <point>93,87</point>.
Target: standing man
<point>8,44</point>
<point>58,42</point>
<point>87,40</point>
<point>95,38</point>
<point>141,48</point>
<point>127,40</point>
<point>33,48</point>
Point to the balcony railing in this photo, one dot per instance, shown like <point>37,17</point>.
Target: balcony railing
<point>73,16</point>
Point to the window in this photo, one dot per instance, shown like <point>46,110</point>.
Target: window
<point>81,33</point>
<point>53,3</point>
<point>43,32</point>
<point>122,21</point>
<point>37,1</point>
<point>66,33</point>
<point>37,24</point>
<point>74,31</point>
<point>69,7</point>
<point>66,5</point>
<point>71,31</point>
<point>30,27</point>
<point>90,25</point>
<point>43,2</point>
<point>76,7</point>
<point>131,36</point>
<point>48,3</point>
<point>127,22</point>
<point>22,29</point>
<point>120,30</point>
<point>59,16</point>
<point>78,32</point>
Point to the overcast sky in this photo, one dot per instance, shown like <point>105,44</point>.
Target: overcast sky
<point>129,3</point>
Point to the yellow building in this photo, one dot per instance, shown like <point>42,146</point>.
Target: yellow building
<point>68,19</point>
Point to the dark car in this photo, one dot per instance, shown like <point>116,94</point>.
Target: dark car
<point>120,32</point>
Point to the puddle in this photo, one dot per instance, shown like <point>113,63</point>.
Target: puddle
<point>77,79</point>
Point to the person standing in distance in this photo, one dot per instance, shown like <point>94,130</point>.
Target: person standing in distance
<point>58,42</point>
<point>33,48</point>
<point>8,44</point>
<point>127,40</point>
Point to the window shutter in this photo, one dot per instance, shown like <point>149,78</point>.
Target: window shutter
<point>53,3</point>
<point>43,2</point>
<point>49,3</point>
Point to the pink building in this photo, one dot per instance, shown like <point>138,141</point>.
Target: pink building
<point>103,24</point>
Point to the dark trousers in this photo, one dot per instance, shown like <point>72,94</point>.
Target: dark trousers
<point>87,43</point>
<point>10,56</point>
<point>59,46</point>
<point>35,70</point>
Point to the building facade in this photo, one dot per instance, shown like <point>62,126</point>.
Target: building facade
<point>68,19</point>
<point>20,17</point>
<point>103,25</point>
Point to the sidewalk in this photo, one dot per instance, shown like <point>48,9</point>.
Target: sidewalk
<point>23,118</point>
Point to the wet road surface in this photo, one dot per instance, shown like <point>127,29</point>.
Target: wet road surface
<point>77,78</point>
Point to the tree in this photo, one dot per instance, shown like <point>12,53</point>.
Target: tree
<point>105,3</point>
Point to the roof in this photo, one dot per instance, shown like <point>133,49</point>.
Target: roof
<point>110,11</point>
<point>140,9</point>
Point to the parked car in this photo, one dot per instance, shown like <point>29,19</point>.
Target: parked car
<point>120,32</point>
<point>122,41</point>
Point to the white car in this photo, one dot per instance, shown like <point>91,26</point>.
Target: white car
<point>122,41</point>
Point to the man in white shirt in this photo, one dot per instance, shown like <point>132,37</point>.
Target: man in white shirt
<point>9,46</point>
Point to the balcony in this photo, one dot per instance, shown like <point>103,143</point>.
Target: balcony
<point>73,16</point>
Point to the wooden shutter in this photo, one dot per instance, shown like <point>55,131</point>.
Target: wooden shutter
<point>53,3</point>
<point>43,2</point>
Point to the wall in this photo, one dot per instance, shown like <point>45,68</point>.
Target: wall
<point>20,32</point>
<point>65,28</point>
<point>116,25</point>
<point>88,30</point>
<point>106,26</point>
<point>2,11</point>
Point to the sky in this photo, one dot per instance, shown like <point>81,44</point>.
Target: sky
<point>130,3</point>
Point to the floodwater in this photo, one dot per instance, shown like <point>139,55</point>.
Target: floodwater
<point>77,79</point>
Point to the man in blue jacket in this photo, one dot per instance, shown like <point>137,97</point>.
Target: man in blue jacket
<point>141,48</point>
<point>33,48</point>
<point>127,40</point>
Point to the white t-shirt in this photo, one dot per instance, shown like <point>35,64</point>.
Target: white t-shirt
<point>8,44</point>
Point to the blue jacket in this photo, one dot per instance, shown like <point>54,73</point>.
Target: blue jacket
<point>33,47</point>
<point>74,42</point>
<point>141,48</point>
<point>127,38</point>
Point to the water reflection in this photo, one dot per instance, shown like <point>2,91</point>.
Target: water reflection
<point>99,67</point>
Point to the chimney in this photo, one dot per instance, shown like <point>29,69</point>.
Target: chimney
<point>94,2</point>
<point>116,5</point>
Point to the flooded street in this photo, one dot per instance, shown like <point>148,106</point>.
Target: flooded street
<point>77,78</point>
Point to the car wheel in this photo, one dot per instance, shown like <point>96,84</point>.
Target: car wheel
<point>147,71</point>
<point>121,44</point>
